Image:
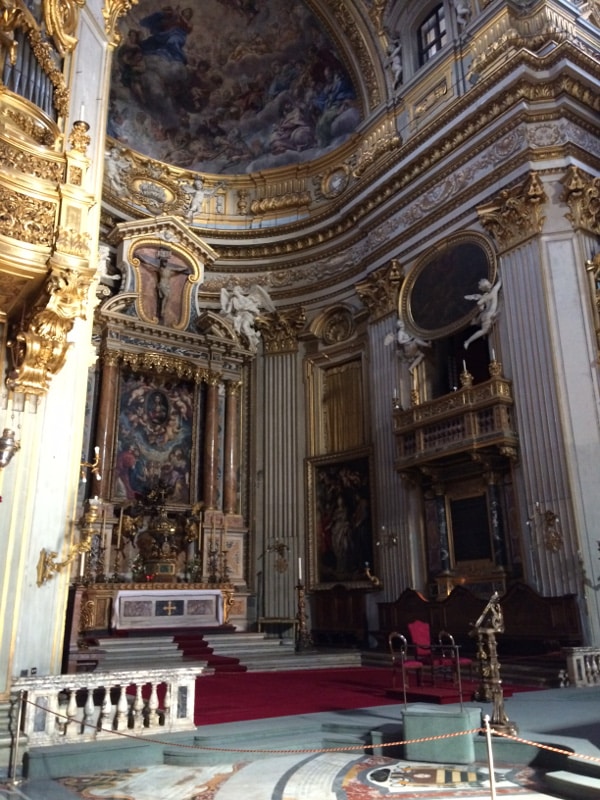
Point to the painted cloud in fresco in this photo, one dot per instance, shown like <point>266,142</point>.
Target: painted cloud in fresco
<point>229,86</point>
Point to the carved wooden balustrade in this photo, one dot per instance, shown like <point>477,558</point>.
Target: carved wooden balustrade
<point>469,419</point>
<point>100,705</point>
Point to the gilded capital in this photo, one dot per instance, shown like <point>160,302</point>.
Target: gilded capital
<point>279,330</point>
<point>515,215</point>
<point>379,291</point>
<point>582,195</point>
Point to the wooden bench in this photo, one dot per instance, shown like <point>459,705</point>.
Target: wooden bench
<point>533,624</point>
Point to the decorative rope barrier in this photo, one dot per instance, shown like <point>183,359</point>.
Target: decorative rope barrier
<point>345,748</point>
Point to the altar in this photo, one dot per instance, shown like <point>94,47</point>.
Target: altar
<point>135,609</point>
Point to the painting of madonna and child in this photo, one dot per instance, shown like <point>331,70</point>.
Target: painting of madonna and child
<point>229,86</point>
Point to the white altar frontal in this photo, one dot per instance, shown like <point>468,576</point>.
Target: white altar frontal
<point>163,608</point>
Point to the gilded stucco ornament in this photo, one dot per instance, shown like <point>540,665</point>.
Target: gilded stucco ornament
<point>40,351</point>
<point>515,215</point>
<point>514,29</point>
<point>279,330</point>
<point>166,364</point>
<point>25,218</point>
<point>582,195</point>
<point>113,10</point>
<point>379,291</point>
<point>61,18</point>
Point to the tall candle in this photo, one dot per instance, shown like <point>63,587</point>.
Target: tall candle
<point>299,570</point>
<point>493,354</point>
<point>464,365</point>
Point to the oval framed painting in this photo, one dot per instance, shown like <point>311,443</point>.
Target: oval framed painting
<point>432,298</point>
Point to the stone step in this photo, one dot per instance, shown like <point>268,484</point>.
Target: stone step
<point>570,784</point>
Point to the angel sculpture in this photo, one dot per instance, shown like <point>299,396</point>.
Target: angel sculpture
<point>242,309</point>
<point>487,304</point>
<point>411,347</point>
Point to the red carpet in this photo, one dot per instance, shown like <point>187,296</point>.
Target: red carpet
<point>258,695</point>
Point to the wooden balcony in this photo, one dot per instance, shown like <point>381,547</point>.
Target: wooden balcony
<point>472,420</point>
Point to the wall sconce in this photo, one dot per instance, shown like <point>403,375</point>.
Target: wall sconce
<point>8,447</point>
<point>47,566</point>
<point>94,466</point>
<point>551,536</point>
<point>386,538</point>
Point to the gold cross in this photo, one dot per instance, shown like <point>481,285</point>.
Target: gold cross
<point>169,607</point>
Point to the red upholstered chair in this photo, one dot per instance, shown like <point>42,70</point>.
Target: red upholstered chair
<point>441,658</point>
<point>400,657</point>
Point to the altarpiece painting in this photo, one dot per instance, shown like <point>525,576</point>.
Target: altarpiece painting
<point>155,439</point>
<point>343,537</point>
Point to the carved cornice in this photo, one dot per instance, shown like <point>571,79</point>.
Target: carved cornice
<point>165,364</point>
<point>582,195</point>
<point>379,291</point>
<point>516,214</point>
<point>511,30</point>
<point>280,330</point>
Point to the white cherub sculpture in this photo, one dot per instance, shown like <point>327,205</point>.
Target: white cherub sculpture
<point>487,303</point>
<point>410,346</point>
<point>242,309</point>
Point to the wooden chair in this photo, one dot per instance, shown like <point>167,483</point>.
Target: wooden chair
<point>399,652</point>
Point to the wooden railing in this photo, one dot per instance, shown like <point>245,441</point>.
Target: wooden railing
<point>583,665</point>
<point>472,417</point>
<point>95,705</point>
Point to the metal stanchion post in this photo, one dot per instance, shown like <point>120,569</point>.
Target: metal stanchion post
<point>14,744</point>
<point>490,754</point>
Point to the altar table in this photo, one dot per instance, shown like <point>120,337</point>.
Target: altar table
<point>164,608</point>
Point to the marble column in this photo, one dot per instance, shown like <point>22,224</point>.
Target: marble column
<point>105,424</point>
<point>231,455</point>
<point>211,447</point>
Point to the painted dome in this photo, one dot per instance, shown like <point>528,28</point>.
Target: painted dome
<point>230,86</point>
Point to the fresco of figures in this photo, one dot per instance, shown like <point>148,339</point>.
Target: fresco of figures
<point>229,86</point>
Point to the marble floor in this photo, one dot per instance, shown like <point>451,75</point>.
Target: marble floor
<point>303,767</point>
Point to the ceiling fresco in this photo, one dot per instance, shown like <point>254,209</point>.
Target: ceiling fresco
<point>229,86</point>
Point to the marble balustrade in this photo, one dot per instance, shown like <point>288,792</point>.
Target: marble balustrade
<point>98,705</point>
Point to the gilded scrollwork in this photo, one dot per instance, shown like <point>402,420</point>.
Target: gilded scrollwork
<point>287,201</point>
<point>30,164</point>
<point>160,363</point>
<point>582,195</point>
<point>73,243</point>
<point>515,214</point>
<point>62,17</point>
<point>26,218</point>
<point>113,10</point>
<point>40,351</point>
